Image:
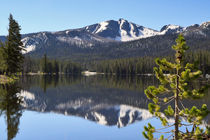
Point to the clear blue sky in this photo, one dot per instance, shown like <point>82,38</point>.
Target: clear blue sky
<point>55,15</point>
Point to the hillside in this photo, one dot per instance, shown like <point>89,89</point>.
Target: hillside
<point>113,39</point>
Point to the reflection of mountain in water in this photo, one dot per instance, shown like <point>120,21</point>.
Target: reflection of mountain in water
<point>106,100</point>
<point>106,106</point>
<point>103,113</point>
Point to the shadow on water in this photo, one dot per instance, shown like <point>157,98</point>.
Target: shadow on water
<point>10,108</point>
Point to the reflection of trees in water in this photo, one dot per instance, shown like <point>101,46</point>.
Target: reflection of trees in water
<point>108,81</point>
<point>107,89</point>
<point>104,91</point>
<point>96,83</point>
<point>49,81</point>
<point>11,108</point>
<point>126,83</point>
<point>97,87</point>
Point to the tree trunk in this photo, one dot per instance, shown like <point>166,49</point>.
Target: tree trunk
<point>176,107</point>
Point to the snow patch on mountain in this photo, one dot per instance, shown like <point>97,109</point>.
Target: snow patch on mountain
<point>146,32</point>
<point>102,27</point>
<point>28,47</point>
<point>205,24</point>
<point>129,31</point>
<point>132,31</point>
<point>171,29</point>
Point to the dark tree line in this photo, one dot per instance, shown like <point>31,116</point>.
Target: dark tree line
<point>125,66</point>
<point>144,65</point>
<point>50,66</point>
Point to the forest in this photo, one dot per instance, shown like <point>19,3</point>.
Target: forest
<point>144,65</point>
<point>12,60</point>
<point>50,66</point>
<point>124,66</point>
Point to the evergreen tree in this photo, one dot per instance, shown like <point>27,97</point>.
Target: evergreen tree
<point>13,48</point>
<point>176,84</point>
<point>43,63</point>
<point>3,66</point>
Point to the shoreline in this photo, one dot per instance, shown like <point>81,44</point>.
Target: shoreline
<point>5,79</point>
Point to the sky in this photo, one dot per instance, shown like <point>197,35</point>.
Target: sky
<point>57,15</point>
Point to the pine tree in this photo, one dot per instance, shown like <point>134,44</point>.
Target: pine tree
<point>44,63</point>
<point>13,48</point>
<point>176,86</point>
<point>3,66</point>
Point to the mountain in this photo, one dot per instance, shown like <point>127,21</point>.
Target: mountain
<point>122,30</point>
<point>113,39</point>
<point>3,38</point>
<point>170,29</point>
<point>70,38</point>
<point>197,37</point>
<point>90,36</point>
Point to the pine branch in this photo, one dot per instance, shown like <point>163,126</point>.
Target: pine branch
<point>163,132</point>
<point>187,124</point>
<point>165,127</point>
<point>169,101</point>
<point>182,104</point>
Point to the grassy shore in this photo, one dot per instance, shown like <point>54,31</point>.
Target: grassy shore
<point>5,79</point>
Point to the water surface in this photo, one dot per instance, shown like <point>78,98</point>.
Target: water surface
<point>76,108</point>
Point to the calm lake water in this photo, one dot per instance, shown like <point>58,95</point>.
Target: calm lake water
<point>77,108</point>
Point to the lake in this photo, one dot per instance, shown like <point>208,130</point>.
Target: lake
<point>77,108</point>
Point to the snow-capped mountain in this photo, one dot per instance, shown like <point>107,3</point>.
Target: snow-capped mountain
<point>198,30</point>
<point>120,30</point>
<point>89,36</point>
<point>104,37</point>
<point>77,37</point>
<point>168,29</point>
<point>123,30</point>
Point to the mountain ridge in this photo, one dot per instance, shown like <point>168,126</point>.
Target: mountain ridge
<point>111,39</point>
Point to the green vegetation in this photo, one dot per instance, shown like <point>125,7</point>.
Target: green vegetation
<point>6,79</point>
<point>144,65</point>
<point>124,66</point>
<point>176,88</point>
<point>11,57</point>
<point>50,66</point>
<point>11,50</point>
